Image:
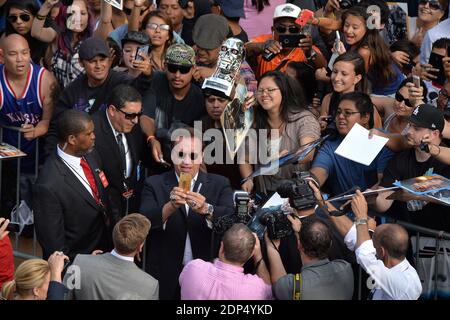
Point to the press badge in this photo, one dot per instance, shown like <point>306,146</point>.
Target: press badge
<point>103,179</point>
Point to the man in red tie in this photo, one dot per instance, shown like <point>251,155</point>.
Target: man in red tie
<point>70,206</point>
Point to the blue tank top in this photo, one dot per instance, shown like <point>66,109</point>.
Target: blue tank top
<point>391,87</point>
<point>17,108</point>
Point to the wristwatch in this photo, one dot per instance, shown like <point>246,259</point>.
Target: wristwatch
<point>209,210</point>
<point>360,221</point>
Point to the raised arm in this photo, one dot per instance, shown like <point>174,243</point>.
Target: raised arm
<point>38,30</point>
<point>105,26</point>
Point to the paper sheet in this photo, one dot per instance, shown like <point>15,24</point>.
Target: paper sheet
<point>275,200</point>
<point>358,147</point>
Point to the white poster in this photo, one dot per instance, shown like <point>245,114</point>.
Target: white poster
<point>115,3</point>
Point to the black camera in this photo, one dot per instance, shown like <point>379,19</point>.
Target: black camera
<point>424,147</point>
<point>274,220</point>
<point>345,4</point>
<point>241,213</point>
<point>300,194</point>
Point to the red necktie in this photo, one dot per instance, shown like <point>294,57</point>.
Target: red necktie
<point>90,178</point>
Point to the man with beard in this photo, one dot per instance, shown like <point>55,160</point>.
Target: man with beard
<point>69,196</point>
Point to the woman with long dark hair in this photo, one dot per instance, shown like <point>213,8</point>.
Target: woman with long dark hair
<point>75,27</point>
<point>281,111</point>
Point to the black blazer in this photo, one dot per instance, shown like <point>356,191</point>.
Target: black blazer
<point>107,150</point>
<point>66,216</point>
<point>165,248</point>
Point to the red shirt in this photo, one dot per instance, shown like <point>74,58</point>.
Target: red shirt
<point>6,261</point>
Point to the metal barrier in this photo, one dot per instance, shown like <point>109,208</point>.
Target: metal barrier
<point>17,253</point>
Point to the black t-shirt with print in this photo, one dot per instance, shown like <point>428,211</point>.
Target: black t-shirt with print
<point>405,166</point>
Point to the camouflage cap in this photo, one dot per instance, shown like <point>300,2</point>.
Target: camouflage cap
<point>180,54</point>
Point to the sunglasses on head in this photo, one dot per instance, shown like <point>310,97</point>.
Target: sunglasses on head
<point>23,16</point>
<point>130,116</point>
<point>435,5</point>
<point>173,68</point>
<point>127,11</point>
<point>400,98</point>
<point>292,29</point>
<point>193,156</point>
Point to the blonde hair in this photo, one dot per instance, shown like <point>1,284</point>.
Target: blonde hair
<point>30,274</point>
<point>130,232</point>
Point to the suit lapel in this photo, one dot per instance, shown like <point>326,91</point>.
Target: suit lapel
<point>72,181</point>
<point>111,140</point>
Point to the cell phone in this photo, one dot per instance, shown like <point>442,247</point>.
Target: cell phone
<point>305,16</point>
<point>268,56</point>
<point>13,227</point>
<point>185,181</point>
<point>141,50</point>
<point>436,61</point>
<point>329,119</point>
<point>290,40</point>
<point>416,81</point>
<point>424,147</point>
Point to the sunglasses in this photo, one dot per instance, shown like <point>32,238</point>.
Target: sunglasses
<point>23,16</point>
<point>346,113</point>
<point>130,116</point>
<point>292,29</point>
<point>173,68</point>
<point>154,26</point>
<point>400,98</point>
<point>434,5</point>
<point>127,11</point>
<point>193,156</point>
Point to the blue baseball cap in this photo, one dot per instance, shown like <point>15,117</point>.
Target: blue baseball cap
<point>232,8</point>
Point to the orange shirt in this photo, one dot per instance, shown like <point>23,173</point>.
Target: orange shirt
<point>293,55</point>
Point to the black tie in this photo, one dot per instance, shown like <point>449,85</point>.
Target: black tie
<point>122,153</point>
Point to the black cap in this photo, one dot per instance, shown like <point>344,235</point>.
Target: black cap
<point>137,37</point>
<point>92,47</point>
<point>427,116</point>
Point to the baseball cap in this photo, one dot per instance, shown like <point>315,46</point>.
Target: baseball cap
<point>427,116</point>
<point>210,31</point>
<point>231,8</point>
<point>286,10</point>
<point>137,37</point>
<point>180,54</point>
<point>92,47</point>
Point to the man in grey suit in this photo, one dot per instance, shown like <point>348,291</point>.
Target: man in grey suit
<point>114,275</point>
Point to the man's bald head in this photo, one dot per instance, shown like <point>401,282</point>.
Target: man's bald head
<point>393,238</point>
<point>16,55</point>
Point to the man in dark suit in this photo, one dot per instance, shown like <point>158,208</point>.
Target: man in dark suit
<point>69,196</point>
<point>182,220</point>
<point>119,144</point>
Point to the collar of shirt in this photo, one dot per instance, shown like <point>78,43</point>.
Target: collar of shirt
<point>402,266</point>
<point>315,264</point>
<point>71,160</point>
<point>228,267</point>
<point>115,133</point>
<point>118,256</point>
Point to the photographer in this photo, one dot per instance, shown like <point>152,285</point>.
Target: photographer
<point>383,258</point>
<point>228,280</point>
<point>283,25</point>
<point>320,278</point>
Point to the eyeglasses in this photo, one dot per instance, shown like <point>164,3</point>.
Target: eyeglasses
<point>268,90</point>
<point>154,26</point>
<point>292,29</point>
<point>127,11</point>
<point>346,113</point>
<point>130,116</point>
<point>444,93</point>
<point>173,68</point>
<point>193,156</point>
<point>400,98</point>
<point>434,5</point>
<point>23,16</point>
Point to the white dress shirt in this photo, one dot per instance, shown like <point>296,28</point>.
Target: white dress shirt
<point>129,161</point>
<point>400,282</point>
<point>73,163</point>
<point>118,256</point>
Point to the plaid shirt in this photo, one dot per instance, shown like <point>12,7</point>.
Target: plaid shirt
<point>66,69</point>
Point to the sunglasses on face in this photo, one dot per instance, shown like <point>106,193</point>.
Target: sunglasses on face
<point>434,5</point>
<point>154,26</point>
<point>173,68</point>
<point>24,17</point>
<point>130,116</point>
<point>127,11</point>
<point>193,156</point>
<point>400,98</point>
<point>292,29</point>
<point>346,113</point>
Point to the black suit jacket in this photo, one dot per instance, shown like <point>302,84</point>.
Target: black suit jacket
<point>66,216</point>
<point>165,248</point>
<point>107,149</point>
